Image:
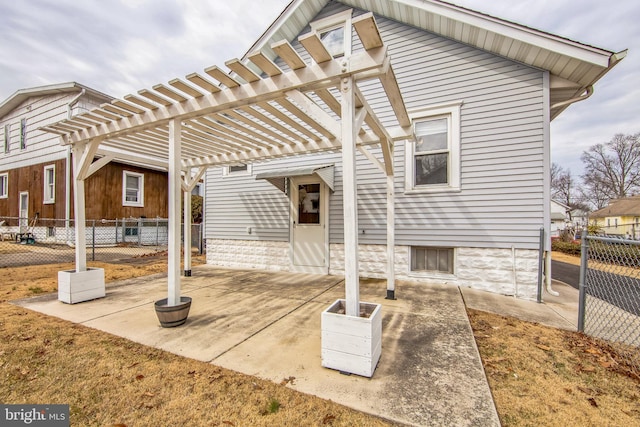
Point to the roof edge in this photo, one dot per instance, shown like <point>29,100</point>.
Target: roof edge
<point>21,95</point>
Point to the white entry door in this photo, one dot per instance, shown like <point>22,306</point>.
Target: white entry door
<point>24,211</point>
<point>309,233</point>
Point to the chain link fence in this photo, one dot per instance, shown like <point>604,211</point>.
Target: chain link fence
<point>44,241</point>
<point>610,293</point>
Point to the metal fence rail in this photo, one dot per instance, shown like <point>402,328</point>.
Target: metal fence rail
<point>44,241</point>
<point>610,293</point>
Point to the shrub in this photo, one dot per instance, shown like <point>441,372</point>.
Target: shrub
<point>570,248</point>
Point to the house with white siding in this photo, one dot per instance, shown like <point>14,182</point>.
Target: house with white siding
<point>471,189</point>
<point>36,185</point>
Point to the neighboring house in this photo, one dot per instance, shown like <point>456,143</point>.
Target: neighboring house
<point>35,169</point>
<point>473,192</point>
<point>560,217</point>
<point>620,218</point>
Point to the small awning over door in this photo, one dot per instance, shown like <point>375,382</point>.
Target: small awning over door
<point>279,177</point>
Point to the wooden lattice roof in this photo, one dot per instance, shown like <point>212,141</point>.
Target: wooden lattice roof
<point>257,111</point>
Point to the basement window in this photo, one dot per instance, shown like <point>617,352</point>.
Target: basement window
<point>426,259</point>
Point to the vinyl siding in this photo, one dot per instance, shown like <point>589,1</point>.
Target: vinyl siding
<point>41,147</point>
<point>501,202</point>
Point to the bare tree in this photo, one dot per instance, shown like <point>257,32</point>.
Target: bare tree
<point>562,185</point>
<point>612,169</point>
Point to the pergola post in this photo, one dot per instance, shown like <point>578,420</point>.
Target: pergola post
<point>350,197</point>
<point>187,234</point>
<point>79,208</point>
<point>175,187</point>
<point>391,230</point>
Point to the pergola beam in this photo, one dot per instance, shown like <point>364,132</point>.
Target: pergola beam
<point>307,78</point>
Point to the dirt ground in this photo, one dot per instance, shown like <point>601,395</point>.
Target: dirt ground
<point>538,375</point>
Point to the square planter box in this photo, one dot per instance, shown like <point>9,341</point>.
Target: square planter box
<point>80,286</point>
<point>352,344</point>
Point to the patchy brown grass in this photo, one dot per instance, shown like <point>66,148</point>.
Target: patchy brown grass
<point>538,375</point>
<point>108,380</point>
<point>544,376</point>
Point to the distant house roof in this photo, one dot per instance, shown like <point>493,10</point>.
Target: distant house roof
<point>573,67</point>
<point>22,95</point>
<point>628,206</point>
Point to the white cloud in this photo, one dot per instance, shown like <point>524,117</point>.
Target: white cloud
<point>121,47</point>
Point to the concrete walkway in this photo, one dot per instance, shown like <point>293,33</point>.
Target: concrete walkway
<point>268,325</point>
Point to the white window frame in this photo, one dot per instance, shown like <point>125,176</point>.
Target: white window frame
<point>452,113</point>
<point>435,274</point>
<point>140,202</point>
<point>4,185</point>
<point>333,22</point>
<point>49,188</point>
<point>226,171</point>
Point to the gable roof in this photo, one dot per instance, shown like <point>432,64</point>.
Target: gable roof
<point>573,67</point>
<point>22,95</point>
<point>627,206</point>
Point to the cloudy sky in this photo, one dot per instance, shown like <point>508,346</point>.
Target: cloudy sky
<point>121,46</point>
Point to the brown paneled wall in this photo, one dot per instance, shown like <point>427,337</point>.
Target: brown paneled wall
<point>103,191</point>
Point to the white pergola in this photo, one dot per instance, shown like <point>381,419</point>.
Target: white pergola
<point>257,112</point>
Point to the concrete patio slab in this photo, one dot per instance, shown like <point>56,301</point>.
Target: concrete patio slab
<point>268,325</point>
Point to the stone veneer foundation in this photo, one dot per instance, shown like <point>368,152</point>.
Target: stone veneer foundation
<point>479,268</point>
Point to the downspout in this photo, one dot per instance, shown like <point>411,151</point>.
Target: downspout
<point>69,174</point>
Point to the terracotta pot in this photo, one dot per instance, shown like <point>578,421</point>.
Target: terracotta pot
<point>171,316</point>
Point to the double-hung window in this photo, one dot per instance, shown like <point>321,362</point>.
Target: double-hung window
<point>433,159</point>
<point>132,189</point>
<point>4,185</point>
<point>49,184</point>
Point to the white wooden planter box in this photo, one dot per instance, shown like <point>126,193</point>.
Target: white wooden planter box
<point>352,344</point>
<point>80,286</point>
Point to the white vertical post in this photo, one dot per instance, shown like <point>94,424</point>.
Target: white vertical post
<point>173,285</point>
<point>391,243</point>
<point>187,233</point>
<point>79,209</point>
<point>352,284</point>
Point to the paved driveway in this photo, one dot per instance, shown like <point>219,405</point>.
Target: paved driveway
<point>268,325</point>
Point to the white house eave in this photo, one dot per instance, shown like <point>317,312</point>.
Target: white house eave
<point>299,12</point>
<point>504,28</point>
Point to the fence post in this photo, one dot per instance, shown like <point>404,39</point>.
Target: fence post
<point>139,231</point>
<point>116,230</point>
<point>584,256</point>
<point>157,233</point>
<point>93,252</point>
<point>540,264</point>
